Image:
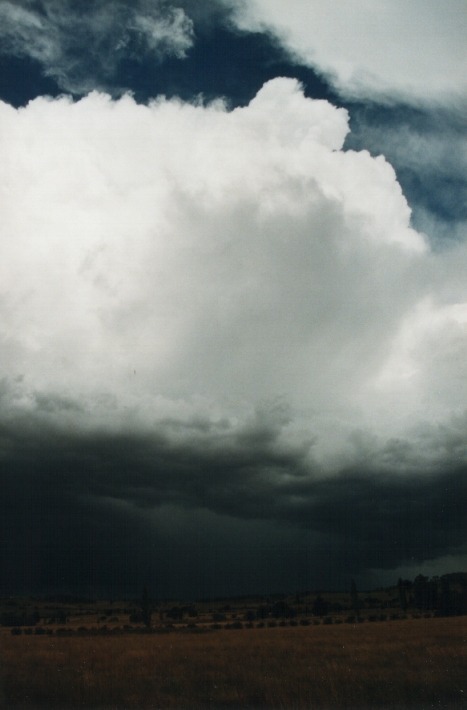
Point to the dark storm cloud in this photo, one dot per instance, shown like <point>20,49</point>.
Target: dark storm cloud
<point>102,510</point>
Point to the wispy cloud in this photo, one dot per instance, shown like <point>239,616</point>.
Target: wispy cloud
<point>81,45</point>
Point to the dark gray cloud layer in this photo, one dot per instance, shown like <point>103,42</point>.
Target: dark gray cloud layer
<point>103,512</point>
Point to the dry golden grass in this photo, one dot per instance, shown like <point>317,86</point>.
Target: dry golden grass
<point>402,664</point>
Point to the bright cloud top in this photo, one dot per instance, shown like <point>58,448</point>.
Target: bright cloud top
<point>178,260</point>
<point>409,49</point>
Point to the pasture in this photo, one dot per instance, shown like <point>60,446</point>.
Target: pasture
<point>412,663</point>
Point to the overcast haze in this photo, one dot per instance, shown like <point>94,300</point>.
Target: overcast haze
<point>233,295</point>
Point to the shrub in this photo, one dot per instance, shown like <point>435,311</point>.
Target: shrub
<point>218,617</point>
<point>236,625</point>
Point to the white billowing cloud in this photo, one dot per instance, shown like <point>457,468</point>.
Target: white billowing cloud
<point>426,363</point>
<point>410,49</point>
<point>173,261</point>
<point>80,49</point>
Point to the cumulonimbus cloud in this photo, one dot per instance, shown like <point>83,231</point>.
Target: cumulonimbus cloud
<point>169,270</point>
<point>178,253</point>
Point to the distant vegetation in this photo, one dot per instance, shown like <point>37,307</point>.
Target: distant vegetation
<point>438,596</point>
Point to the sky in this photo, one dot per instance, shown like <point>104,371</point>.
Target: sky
<point>233,295</point>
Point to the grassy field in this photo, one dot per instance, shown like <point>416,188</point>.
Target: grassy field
<point>420,663</point>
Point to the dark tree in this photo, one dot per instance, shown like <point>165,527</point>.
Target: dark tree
<point>320,606</point>
<point>421,592</point>
<point>281,610</point>
<point>146,610</point>
<point>354,600</point>
<point>402,588</point>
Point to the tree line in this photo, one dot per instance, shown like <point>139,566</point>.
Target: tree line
<point>440,596</point>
